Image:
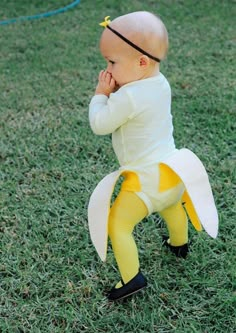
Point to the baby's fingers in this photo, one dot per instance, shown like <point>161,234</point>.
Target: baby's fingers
<point>101,75</point>
<point>108,78</point>
<point>112,83</point>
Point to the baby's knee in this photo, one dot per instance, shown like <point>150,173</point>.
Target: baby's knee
<point>113,226</point>
<point>117,228</point>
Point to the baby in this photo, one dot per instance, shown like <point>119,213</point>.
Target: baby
<point>132,102</point>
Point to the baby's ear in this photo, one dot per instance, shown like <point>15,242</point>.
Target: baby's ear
<point>144,61</point>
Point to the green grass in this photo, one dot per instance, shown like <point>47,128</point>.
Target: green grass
<point>51,279</point>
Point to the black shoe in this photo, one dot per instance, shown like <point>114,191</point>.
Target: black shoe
<point>131,287</point>
<point>179,251</point>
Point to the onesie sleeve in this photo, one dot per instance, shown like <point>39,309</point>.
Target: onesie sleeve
<point>108,114</point>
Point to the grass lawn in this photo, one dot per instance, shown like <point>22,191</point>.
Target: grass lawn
<point>51,279</point>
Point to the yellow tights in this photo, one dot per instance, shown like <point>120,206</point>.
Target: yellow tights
<point>127,211</point>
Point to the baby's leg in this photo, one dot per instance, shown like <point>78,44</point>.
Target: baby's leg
<point>177,224</point>
<point>127,210</point>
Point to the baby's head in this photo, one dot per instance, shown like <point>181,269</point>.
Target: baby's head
<point>128,62</point>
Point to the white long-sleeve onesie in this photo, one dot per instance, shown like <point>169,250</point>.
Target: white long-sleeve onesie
<point>139,118</point>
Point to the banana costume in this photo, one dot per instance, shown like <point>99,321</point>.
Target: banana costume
<point>158,177</point>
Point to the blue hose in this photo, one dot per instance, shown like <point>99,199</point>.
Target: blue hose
<point>42,15</point>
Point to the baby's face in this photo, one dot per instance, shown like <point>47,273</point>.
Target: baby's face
<point>122,63</point>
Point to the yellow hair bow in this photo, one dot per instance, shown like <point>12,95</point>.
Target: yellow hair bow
<point>105,22</point>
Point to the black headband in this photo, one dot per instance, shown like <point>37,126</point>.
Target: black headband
<point>132,44</point>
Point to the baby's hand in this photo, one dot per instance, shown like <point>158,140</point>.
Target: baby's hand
<point>106,84</point>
